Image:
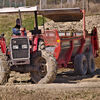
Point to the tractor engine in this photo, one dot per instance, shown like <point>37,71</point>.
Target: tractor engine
<point>20,50</point>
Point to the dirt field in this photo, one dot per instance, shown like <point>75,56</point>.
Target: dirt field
<point>51,93</point>
<point>67,85</point>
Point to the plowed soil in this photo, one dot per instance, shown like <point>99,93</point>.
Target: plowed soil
<point>67,86</point>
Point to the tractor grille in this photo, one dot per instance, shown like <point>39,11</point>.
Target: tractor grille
<point>20,48</point>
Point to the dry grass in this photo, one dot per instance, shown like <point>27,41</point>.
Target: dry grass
<point>14,93</point>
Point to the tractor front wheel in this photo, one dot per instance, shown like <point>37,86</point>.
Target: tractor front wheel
<point>44,68</point>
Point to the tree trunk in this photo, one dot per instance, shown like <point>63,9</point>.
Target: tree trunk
<point>24,2</point>
<point>73,2</point>
<point>87,5</point>
<point>44,3</point>
<point>3,3</point>
<point>61,3</point>
<point>68,1</point>
<point>15,3</point>
<point>55,1</point>
<point>9,3</point>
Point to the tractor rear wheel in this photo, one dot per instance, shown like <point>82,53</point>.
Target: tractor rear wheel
<point>90,60</point>
<point>80,64</point>
<point>91,63</point>
<point>4,69</point>
<point>44,68</point>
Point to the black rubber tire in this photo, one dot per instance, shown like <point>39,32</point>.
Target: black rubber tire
<point>91,63</point>
<point>80,64</point>
<point>4,69</point>
<point>49,62</point>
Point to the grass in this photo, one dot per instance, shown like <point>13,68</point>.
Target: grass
<point>28,21</point>
<point>7,22</point>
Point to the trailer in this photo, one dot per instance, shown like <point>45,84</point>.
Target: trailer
<point>72,48</point>
<point>49,50</point>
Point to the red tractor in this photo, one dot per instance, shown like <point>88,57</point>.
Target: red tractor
<point>48,50</point>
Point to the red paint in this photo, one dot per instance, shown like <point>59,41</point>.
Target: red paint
<point>67,57</point>
<point>22,33</point>
<point>51,38</point>
<point>58,46</point>
<point>81,47</point>
<point>35,45</point>
<point>69,53</point>
<point>3,45</point>
<point>84,33</point>
<point>22,30</point>
<point>94,41</point>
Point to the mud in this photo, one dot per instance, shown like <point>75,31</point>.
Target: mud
<point>67,86</point>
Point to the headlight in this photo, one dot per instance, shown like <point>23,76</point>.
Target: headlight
<point>15,46</point>
<point>24,46</point>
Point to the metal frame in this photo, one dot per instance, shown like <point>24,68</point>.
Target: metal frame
<point>16,10</point>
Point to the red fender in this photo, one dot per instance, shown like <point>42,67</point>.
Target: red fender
<point>35,44</point>
<point>3,45</point>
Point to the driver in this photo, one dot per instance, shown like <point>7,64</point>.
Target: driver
<point>16,29</point>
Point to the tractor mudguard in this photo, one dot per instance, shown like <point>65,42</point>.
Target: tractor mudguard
<point>35,45</point>
<point>3,44</point>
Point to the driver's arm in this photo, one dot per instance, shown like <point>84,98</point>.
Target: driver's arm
<point>15,31</point>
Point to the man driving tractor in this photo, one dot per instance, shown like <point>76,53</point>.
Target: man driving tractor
<point>18,29</point>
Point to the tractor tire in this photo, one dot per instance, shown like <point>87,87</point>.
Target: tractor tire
<point>80,64</point>
<point>91,63</point>
<point>4,69</point>
<point>44,68</point>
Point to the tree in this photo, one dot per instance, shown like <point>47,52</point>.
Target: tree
<point>43,3</point>
<point>55,1</point>
<point>87,5</point>
<point>3,3</point>
<point>73,2</point>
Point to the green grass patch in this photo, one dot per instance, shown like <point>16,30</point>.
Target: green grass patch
<point>28,21</point>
